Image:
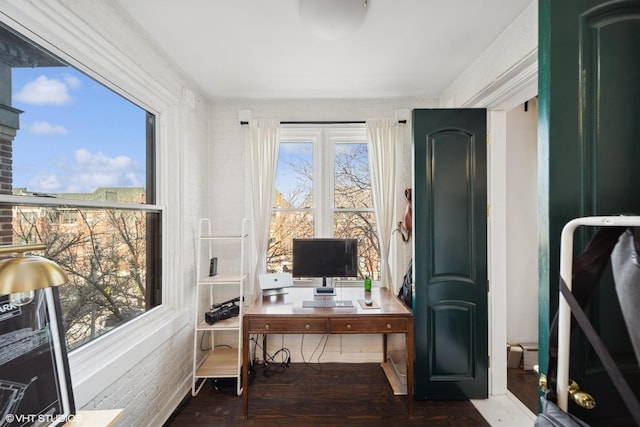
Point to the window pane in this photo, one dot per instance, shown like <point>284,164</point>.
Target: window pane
<point>71,140</point>
<point>361,226</point>
<point>352,188</point>
<point>104,253</point>
<point>343,206</point>
<point>285,226</point>
<point>294,190</point>
<point>294,176</point>
<point>75,135</point>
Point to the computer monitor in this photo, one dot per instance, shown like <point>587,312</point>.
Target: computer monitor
<point>325,257</point>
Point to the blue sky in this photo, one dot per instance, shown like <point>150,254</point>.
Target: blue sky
<point>288,181</point>
<point>295,187</point>
<point>75,134</point>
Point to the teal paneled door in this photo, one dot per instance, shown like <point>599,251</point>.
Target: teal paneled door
<point>450,264</point>
<point>589,158</point>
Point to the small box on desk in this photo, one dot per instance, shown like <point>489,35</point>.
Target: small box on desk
<point>529,356</point>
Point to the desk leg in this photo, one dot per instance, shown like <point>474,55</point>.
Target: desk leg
<point>384,348</point>
<point>264,347</point>
<point>245,369</point>
<point>410,366</point>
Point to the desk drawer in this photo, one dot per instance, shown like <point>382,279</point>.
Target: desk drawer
<point>288,326</point>
<point>367,325</point>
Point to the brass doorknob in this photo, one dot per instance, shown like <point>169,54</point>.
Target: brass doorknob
<point>581,398</point>
<point>542,382</point>
<point>584,399</point>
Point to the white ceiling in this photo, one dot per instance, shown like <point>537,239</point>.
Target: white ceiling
<point>261,49</point>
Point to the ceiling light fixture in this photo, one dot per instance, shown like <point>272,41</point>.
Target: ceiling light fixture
<point>332,19</point>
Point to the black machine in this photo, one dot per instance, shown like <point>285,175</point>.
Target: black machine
<point>325,257</point>
<point>223,310</point>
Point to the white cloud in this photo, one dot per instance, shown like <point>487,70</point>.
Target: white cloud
<point>44,182</point>
<point>93,170</point>
<point>101,162</point>
<point>44,91</point>
<point>72,81</point>
<point>44,128</point>
<point>85,171</point>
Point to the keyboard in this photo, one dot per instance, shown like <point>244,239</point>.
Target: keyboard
<point>321,303</point>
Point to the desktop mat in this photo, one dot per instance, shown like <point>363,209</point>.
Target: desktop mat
<point>367,307</point>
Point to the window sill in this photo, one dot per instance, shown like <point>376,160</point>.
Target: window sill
<point>96,365</point>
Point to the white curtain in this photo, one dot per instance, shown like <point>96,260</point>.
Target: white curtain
<point>264,137</point>
<point>383,142</point>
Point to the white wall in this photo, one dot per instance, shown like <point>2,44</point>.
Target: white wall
<point>522,245</point>
<point>145,365</point>
<point>505,74</point>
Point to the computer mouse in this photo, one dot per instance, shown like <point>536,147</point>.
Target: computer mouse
<point>368,302</point>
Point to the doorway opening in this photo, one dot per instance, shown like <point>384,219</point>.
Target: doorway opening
<point>522,251</point>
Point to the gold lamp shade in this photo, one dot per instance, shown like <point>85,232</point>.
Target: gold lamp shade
<point>23,273</point>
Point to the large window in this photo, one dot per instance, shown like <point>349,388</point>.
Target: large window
<point>77,168</point>
<point>323,189</point>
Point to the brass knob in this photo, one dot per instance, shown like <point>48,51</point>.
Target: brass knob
<point>349,327</point>
<point>307,327</point>
<point>581,398</point>
<point>266,326</point>
<point>584,400</point>
<point>542,382</point>
<point>388,325</point>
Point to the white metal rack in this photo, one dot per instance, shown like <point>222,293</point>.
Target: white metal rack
<point>564,311</point>
<point>218,362</point>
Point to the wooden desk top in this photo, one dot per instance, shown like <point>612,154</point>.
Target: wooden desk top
<point>290,304</point>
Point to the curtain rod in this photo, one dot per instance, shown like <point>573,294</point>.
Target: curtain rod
<point>360,122</point>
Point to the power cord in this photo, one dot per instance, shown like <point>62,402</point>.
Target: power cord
<point>307,363</point>
<point>202,342</point>
<point>269,366</point>
<point>323,340</point>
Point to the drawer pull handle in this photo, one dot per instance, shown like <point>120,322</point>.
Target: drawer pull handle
<point>388,325</point>
<point>307,327</point>
<point>266,326</point>
<point>348,327</point>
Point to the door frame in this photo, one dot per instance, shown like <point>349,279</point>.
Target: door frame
<point>515,86</point>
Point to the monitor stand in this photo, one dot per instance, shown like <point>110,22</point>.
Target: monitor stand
<point>324,289</point>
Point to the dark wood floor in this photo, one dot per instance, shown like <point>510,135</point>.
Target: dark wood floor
<point>524,385</point>
<point>331,394</point>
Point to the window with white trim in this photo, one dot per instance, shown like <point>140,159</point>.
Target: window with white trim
<point>323,189</point>
<point>77,163</point>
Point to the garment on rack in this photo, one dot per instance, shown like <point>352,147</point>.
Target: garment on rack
<point>587,269</point>
<point>625,263</point>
